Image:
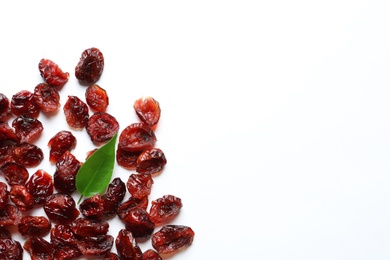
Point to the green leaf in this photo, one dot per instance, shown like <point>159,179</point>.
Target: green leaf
<point>95,174</point>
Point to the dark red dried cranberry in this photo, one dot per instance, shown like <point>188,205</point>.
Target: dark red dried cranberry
<point>130,204</point>
<point>61,208</point>
<point>27,129</point>
<point>7,133</point>
<point>76,112</point>
<point>60,143</point>
<point>10,215</point>
<point>5,108</point>
<point>21,197</point>
<point>4,195</point>
<point>127,159</point>
<point>64,177</point>
<point>96,245</point>
<point>10,249</point>
<point>111,256</point>
<point>114,195</point>
<point>39,248</point>
<point>101,127</point>
<point>171,238</point>
<point>96,98</point>
<point>164,209</point>
<point>5,233</point>
<point>62,235</point>
<point>90,67</point>
<point>14,173</point>
<point>139,185</point>
<point>151,161</point>
<point>137,137</point>
<point>40,185</point>
<point>34,226</point>
<point>126,246</point>
<point>150,254</point>
<point>138,222</point>
<point>85,227</point>
<point>67,253</point>
<point>5,153</point>
<point>92,207</point>
<point>148,110</point>
<point>28,155</point>
<point>23,103</point>
<point>52,73</point>
<point>47,98</point>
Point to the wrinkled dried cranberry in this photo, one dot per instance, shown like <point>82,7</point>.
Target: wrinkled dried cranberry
<point>150,254</point>
<point>165,208</point>
<point>151,161</point>
<point>138,222</point>
<point>4,195</point>
<point>10,249</point>
<point>23,103</point>
<point>126,246</point>
<point>62,235</point>
<point>137,137</point>
<point>61,208</point>
<point>76,112</point>
<point>101,127</point>
<point>85,227</point>
<point>171,238</point>
<point>127,159</point>
<point>60,143</point>
<point>5,108</point>
<point>40,185</point>
<point>28,155</point>
<point>92,207</point>
<point>90,67</point>
<point>139,185</point>
<point>10,215</point>
<point>39,248</point>
<point>96,98</point>
<point>148,110</point>
<point>111,256</point>
<point>52,73</point>
<point>47,98</point>
<point>14,173</point>
<point>64,177</point>
<point>130,204</point>
<point>27,129</point>
<point>34,226</point>
<point>66,253</point>
<point>20,196</point>
<point>5,153</point>
<point>113,196</point>
<point>5,233</point>
<point>7,133</point>
<point>96,245</point>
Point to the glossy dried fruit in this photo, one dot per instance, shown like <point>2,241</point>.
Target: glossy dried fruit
<point>5,108</point>
<point>171,238</point>
<point>92,207</point>
<point>23,103</point>
<point>127,247</point>
<point>4,233</point>
<point>96,98</point>
<point>111,256</point>
<point>127,159</point>
<point>148,110</point>
<point>139,185</point>
<point>67,253</point>
<point>27,129</point>
<point>137,221</point>
<point>4,195</point>
<point>10,215</point>
<point>40,185</point>
<point>5,152</point>
<point>113,196</point>
<point>101,127</point>
<point>7,133</point>
<point>85,227</point>
<point>97,246</point>
<point>64,177</point>
<point>60,143</point>
<point>76,112</point>
<point>130,204</point>
<point>165,208</point>
<point>151,161</point>
<point>47,98</point>
<point>14,173</point>
<point>150,254</point>
<point>28,155</point>
<point>90,67</point>
<point>137,137</point>
<point>52,73</point>
<point>39,248</point>
<point>62,235</point>
<point>10,249</point>
<point>61,208</point>
<point>21,197</point>
<point>34,226</point>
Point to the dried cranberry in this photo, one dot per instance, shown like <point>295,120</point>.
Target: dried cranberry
<point>64,177</point>
<point>66,253</point>
<point>127,159</point>
<point>5,108</point>
<point>171,238</point>
<point>111,256</point>
<point>85,227</point>
<point>5,153</point>
<point>165,208</point>
<point>150,254</point>
<point>131,203</point>
<point>90,67</point>
<point>7,133</point>
<point>114,195</point>
<point>151,161</point>
<point>139,185</point>
<point>52,73</point>
<point>96,245</point>
<point>10,249</point>
<point>21,197</point>
<point>137,137</point>
<point>62,235</point>
<point>28,155</point>
<point>138,222</point>
<point>61,208</point>
<point>60,143</point>
<point>14,173</point>
<point>40,185</point>
<point>27,129</point>
<point>10,215</point>
<point>148,110</point>
<point>96,98</point>
<point>4,195</point>
<point>47,98</point>
<point>92,207</point>
<point>126,246</point>
<point>101,127</point>
<point>5,233</point>
<point>76,112</point>
<point>34,226</point>
<point>39,248</point>
<point>23,103</point>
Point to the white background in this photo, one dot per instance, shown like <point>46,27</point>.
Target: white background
<point>275,114</point>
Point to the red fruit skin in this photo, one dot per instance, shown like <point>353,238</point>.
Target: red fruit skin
<point>52,74</point>
<point>148,110</point>
<point>171,238</point>
<point>90,67</point>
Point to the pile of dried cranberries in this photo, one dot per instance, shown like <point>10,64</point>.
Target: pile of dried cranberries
<point>77,230</point>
